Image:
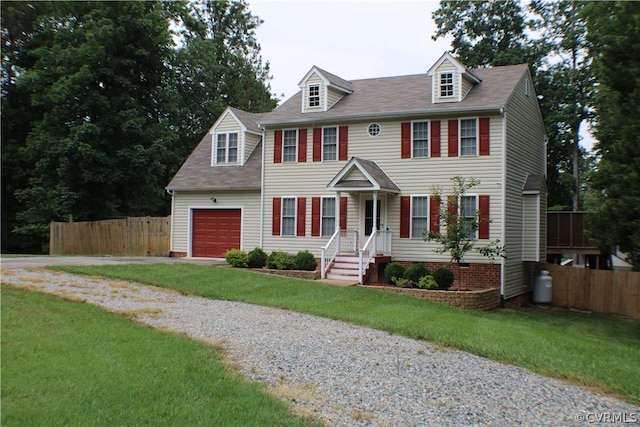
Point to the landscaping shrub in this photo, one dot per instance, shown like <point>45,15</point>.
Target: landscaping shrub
<point>444,277</point>
<point>304,260</point>
<point>237,258</point>
<point>394,269</point>
<point>279,260</point>
<point>427,282</point>
<point>257,258</point>
<point>401,282</point>
<point>415,272</point>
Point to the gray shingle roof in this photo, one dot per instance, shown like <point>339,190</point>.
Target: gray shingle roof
<point>404,95</point>
<point>197,174</point>
<point>249,120</point>
<point>535,183</point>
<point>336,80</point>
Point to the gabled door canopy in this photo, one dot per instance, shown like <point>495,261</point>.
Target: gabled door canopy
<point>375,179</point>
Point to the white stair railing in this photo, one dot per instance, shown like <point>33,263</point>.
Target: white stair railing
<point>367,254</point>
<point>340,242</point>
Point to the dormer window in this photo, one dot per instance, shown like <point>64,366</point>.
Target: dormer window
<point>446,84</point>
<point>227,148</point>
<point>314,95</point>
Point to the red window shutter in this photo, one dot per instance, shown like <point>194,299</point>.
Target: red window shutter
<point>452,207</point>
<point>343,142</point>
<point>275,222</point>
<point>302,145</point>
<point>483,220</point>
<point>317,144</point>
<point>302,216</point>
<point>434,214</point>
<point>435,138</point>
<point>453,138</point>
<point>484,136</point>
<point>405,215</point>
<point>343,213</point>
<point>277,146</point>
<point>405,140</point>
<point>315,216</point>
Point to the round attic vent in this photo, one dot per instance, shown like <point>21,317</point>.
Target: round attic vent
<point>374,129</point>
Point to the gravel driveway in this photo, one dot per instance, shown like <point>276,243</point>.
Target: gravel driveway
<point>348,375</point>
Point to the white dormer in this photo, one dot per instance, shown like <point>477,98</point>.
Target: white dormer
<point>451,81</point>
<point>233,137</point>
<point>321,90</point>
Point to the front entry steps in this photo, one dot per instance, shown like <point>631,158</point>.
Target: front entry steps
<point>346,268</point>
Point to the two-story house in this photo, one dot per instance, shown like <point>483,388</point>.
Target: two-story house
<point>348,167</point>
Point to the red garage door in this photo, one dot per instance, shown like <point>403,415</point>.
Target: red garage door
<point>214,232</point>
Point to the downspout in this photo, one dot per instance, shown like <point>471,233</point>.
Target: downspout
<point>504,201</point>
<point>264,149</point>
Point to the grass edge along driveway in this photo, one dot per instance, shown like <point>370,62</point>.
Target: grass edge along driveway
<point>65,363</point>
<point>597,351</point>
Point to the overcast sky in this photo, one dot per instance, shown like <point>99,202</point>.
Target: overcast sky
<point>352,39</point>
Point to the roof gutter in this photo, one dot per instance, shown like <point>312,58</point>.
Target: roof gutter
<point>173,189</point>
<point>387,115</point>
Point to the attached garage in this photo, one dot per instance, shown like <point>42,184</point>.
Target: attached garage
<point>214,231</point>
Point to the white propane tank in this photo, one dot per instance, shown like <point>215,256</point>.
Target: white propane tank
<point>543,288</point>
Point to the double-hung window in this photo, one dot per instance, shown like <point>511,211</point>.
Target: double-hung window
<point>328,216</point>
<point>329,143</point>
<point>420,139</point>
<point>288,216</point>
<point>314,95</point>
<point>468,208</point>
<point>446,84</point>
<point>419,216</point>
<point>290,145</point>
<point>227,148</point>
<point>468,137</point>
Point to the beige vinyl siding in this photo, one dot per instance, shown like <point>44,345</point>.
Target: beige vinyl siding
<point>525,154</point>
<point>250,142</point>
<point>333,96</point>
<point>414,176</point>
<point>531,227</point>
<point>466,87</point>
<point>183,201</point>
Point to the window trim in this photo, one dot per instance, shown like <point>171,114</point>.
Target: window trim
<point>475,211</point>
<point>477,136</point>
<point>282,215</point>
<point>216,146</point>
<point>447,88</point>
<point>322,216</point>
<point>411,216</point>
<point>335,144</point>
<point>313,101</point>
<point>295,146</point>
<point>428,147</point>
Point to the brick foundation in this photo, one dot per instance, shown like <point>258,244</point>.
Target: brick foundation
<point>177,254</point>
<point>485,299</point>
<point>475,276</point>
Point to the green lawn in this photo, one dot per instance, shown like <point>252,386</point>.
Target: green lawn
<point>73,364</point>
<point>593,350</point>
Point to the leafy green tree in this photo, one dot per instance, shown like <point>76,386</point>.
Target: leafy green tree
<point>459,236</point>
<point>569,76</point>
<point>614,218</point>
<point>100,106</point>
<point>496,32</point>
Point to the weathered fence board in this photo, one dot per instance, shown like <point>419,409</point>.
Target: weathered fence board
<point>600,291</point>
<point>139,236</point>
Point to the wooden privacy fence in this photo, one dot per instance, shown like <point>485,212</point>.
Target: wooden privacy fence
<point>140,236</point>
<point>601,291</point>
